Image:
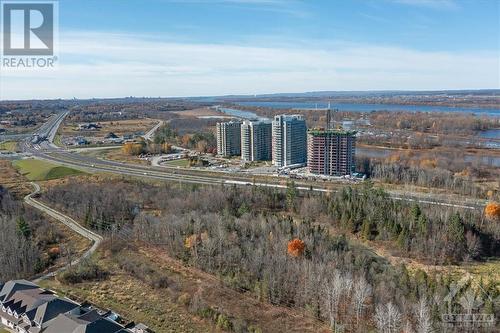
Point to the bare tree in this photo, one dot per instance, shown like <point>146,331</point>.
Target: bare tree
<point>387,318</point>
<point>362,291</point>
<point>469,301</point>
<point>333,294</point>
<point>423,317</point>
<point>408,328</point>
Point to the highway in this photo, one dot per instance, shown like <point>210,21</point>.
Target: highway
<point>151,132</point>
<point>172,174</point>
<point>46,150</point>
<point>51,131</point>
<point>45,130</point>
<point>70,223</point>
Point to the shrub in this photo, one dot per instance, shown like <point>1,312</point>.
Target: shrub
<point>54,252</point>
<point>184,299</point>
<point>143,271</point>
<point>87,270</point>
<point>492,210</point>
<point>223,322</point>
<point>296,247</point>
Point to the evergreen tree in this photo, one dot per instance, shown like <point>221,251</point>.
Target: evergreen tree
<point>291,195</point>
<point>23,227</point>
<point>368,229</point>
<point>404,239</point>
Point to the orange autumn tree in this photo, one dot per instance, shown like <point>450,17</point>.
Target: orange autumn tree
<point>296,247</point>
<point>492,210</point>
<point>131,148</point>
<point>192,241</point>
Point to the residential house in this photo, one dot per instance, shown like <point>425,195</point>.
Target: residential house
<point>27,308</point>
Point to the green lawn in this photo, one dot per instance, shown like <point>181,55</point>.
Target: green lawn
<point>2,330</point>
<point>9,146</point>
<point>180,163</point>
<point>58,140</point>
<point>41,170</point>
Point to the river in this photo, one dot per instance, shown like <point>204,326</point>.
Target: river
<point>371,107</point>
<point>241,114</point>
<point>490,134</point>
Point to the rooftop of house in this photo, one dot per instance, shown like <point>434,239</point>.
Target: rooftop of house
<point>83,324</point>
<point>50,310</point>
<point>26,300</point>
<point>38,310</point>
<point>11,287</point>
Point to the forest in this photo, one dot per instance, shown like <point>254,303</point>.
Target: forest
<point>166,137</point>
<point>423,122</point>
<point>189,134</point>
<point>24,239</point>
<point>108,110</point>
<point>433,171</point>
<point>279,246</point>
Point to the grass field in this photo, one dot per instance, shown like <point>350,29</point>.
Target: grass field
<point>119,127</point>
<point>2,330</point>
<point>41,170</point>
<point>8,145</point>
<point>58,141</point>
<point>180,163</point>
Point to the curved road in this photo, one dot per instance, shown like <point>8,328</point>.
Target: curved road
<point>67,221</point>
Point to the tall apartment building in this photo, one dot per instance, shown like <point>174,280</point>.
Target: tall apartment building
<point>229,138</point>
<point>289,140</point>
<point>331,152</point>
<point>256,140</point>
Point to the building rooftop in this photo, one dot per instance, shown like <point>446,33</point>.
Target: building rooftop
<point>290,116</point>
<point>256,121</point>
<point>321,132</point>
<point>232,121</point>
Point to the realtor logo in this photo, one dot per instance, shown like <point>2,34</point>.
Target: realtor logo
<point>29,32</point>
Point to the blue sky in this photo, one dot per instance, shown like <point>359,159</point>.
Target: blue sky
<point>111,48</point>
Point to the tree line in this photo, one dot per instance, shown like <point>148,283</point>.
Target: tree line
<point>429,170</point>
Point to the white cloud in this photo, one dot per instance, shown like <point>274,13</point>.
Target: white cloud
<point>112,65</point>
<point>289,7</point>
<point>435,4</point>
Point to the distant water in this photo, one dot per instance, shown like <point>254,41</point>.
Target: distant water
<point>213,117</point>
<point>241,114</point>
<point>490,134</point>
<point>372,107</point>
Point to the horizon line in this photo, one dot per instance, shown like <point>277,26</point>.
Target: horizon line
<point>256,95</point>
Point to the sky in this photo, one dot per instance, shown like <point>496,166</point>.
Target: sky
<point>169,48</point>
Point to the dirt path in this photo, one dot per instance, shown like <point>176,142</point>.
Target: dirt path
<point>67,221</point>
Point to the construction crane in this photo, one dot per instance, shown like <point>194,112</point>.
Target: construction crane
<point>329,116</point>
